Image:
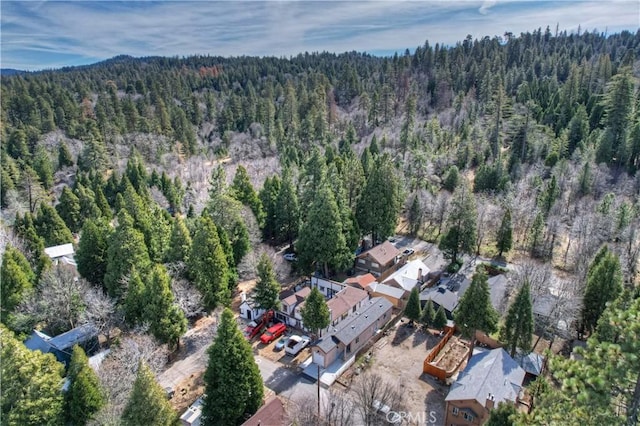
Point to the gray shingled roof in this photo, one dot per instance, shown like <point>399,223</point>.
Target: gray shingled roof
<point>363,320</point>
<point>498,289</point>
<point>350,328</point>
<point>490,372</point>
<point>441,296</point>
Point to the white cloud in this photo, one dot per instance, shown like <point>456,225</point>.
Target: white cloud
<point>488,4</point>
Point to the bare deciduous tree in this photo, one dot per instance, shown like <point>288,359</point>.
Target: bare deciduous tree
<point>371,393</point>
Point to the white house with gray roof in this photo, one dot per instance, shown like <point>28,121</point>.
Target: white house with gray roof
<point>351,334</point>
<point>489,378</point>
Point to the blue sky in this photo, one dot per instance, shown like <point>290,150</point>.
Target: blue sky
<point>51,34</point>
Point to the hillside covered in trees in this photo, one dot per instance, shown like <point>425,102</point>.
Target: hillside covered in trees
<point>172,175</point>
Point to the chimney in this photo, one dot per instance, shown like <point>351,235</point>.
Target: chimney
<point>490,402</point>
<point>243,296</point>
<point>420,274</point>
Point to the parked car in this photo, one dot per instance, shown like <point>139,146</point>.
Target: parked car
<point>408,252</point>
<point>291,257</point>
<point>273,333</point>
<point>296,344</point>
<point>280,344</point>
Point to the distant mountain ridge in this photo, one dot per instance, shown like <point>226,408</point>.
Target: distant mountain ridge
<point>11,71</point>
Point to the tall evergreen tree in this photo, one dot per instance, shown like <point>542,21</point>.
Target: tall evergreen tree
<point>315,312</point>
<point>126,250</point>
<point>42,165</point>
<point>51,227</point>
<point>208,265</point>
<point>147,404</point>
<point>135,302</point>
<point>461,234</point>
<point>504,237</point>
<point>180,242</point>
<point>321,241</point>
<point>167,321</point>
<point>31,392</point>
<point>604,284</point>
<point>428,314</point>
<point>474,311</point>
<point>287,211</point>
<point>379,204</point>
<point>84,397</point>
<point>17,279</point>
<point>233,385</point>
<point>517,329</point>
<point>65,159</point>
<point>69,209</point>
<point>412,310</point>
<point>267,289</point>
<point>440,318</point>
<point>269,195</point>
<point>244,192</point>
<point>91,255</point>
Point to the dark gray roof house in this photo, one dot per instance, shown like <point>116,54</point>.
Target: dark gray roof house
<point>62,345</point>
<point>489,378</point>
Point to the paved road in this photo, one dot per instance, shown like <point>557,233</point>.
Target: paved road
<point>287,382</point>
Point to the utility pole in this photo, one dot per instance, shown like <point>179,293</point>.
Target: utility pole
<point>318,392</point>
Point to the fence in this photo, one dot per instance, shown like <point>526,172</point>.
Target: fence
<point>432,369</point>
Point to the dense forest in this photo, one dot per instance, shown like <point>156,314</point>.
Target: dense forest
<point>172,175</point>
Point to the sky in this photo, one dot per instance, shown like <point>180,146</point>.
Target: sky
<point>37,35</point>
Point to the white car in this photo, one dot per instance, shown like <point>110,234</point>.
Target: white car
<point>296,344</point>
<point>290,257</point>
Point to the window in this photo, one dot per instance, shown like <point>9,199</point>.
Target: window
<point>354,308</point>
<point>374,265</point>
<point>349,347</point>
<point>455,411</point>
<point>357,340</point>
<point>361,261</point>
<point>467,417</point>
<point>321,289</point>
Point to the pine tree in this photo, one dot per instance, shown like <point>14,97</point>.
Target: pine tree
<point>42,165</point>
<point>502,415</point>
<point>267,289</point>
<point>84,397</point>
<point>91,255</point>
<point>233,385</point>
<point>452,179</point>
<point>126,250</point>
<point>17,279</point>
<point>269,195</point>
<point>51,227</point>
<point>148,403</point>
<point>31,392</point>
<point>315,312</point>
<point>461,234</point>
<point>440,318</point>
<point>208,266</point>
<point>287,211</point>
<point>474,311</point>
<point>412,309</point>
<point>65,159</point>
<point>504,237</point>
<point>428,314</point>
<point>244,192</point>
<point>134,300</point>
<point>321,240</point>
<point>167,321</point>
<point>180,242</point>
<point>604,284</point>
<point>69,209</point>
<point>517,329</point>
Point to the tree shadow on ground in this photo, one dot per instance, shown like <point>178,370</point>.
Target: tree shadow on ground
<point>434,404</point>
<point>402,333</point>
<point>420,336</point>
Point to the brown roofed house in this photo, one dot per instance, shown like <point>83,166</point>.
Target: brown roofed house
<point>272,413</point>
<point>379,259</point>
<point>346,301</point>
<point>360,281</point>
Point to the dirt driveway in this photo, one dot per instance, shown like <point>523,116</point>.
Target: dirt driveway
<point>398,357</point>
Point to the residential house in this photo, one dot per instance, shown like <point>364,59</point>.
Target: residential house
<point>62,345</point>
<point>397,296</point>
<point>532,363</point>
<point>272,413</point>
<point>490,377</point>
<point>61,254</point>
<point>379,260</point>
<point>555,312</point>
<point>498,286</point>
<point>327,287</point>
<point>360,281</point>
<point>346,301</point>
<point>248,308</point>
<point>409,276</point>
<point>290,304</point>
<point>447,294</point>
<point>353,333</point>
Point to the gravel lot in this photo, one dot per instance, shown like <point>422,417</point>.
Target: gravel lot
<point>398,357</point>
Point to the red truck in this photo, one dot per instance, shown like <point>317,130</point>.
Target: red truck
<point>255,327</point>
